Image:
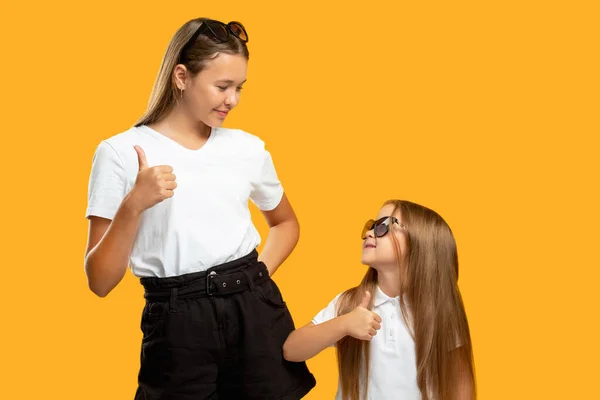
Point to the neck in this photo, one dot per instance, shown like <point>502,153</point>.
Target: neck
<point>179,124</point>
<point>389,281</point>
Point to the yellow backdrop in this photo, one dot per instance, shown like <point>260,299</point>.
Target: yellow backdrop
<point>486,112</point>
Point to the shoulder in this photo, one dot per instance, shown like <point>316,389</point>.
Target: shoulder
<point>239,140</point>
<point>336,299</point>
<point>329,312</point>
<point>123,141</point>
<point>120,146</point>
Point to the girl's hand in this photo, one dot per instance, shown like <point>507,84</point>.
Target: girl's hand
<point>152,185</point>
<point>362,323</point>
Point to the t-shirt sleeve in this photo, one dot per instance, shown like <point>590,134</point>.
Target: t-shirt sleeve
<point>107,183</point>
<point>328,313</point>
<point>267,190</point>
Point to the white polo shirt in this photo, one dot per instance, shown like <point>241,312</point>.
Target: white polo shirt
<point>392,366</point>
<point>207,221</point>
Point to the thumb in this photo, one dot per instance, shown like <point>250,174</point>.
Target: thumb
<point>365,300</point>
<point>143,163</point>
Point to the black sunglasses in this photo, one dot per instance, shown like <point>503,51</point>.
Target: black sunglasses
<point>219,31</point>
<point>380,227</point>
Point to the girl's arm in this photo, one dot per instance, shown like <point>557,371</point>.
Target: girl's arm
<point>109,247</point>
<point>110,242</point>
<point>311,339</point>
<point>284,232</point>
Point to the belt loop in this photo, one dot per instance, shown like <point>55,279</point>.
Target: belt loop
<point>209,279</point>
<point>173,301</point>
<point>250,281</point>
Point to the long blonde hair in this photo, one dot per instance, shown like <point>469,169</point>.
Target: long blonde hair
<point>438,322</point>
<point>164,93</point>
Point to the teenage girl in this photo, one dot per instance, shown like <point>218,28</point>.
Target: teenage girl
<point>169,197</point>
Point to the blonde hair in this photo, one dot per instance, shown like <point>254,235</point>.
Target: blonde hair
<point>164,93</point>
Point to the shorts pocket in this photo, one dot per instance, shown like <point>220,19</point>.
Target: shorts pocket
<point>270,294</point>
<point>152,319</point>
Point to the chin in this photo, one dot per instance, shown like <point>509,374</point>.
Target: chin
<point>212,122</point>
<point>383,267</point>
<point>217,124</point>
<point>371,265</point>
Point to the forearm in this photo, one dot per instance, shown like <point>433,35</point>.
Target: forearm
<point>107,262</point>
<point>310,340</point>
<point>279,245</point>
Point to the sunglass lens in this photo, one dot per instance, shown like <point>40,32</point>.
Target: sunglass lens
<point>239,31</point>
<point>381,229</point>
<point>219,30</point>
<point>368,226</point>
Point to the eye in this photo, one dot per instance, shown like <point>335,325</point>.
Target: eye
<point>222,88</point>
<point>239,89</point>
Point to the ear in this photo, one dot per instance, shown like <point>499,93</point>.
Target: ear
<point>180,76</point>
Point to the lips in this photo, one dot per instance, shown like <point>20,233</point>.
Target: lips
<point>369,246</point>
<point>222,113</point>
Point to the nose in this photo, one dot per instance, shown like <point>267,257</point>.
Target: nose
<point>232,99</point>
<point>370,234</point>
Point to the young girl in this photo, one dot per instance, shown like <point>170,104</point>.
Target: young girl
<point>402,333</point>
<point>170,197</point>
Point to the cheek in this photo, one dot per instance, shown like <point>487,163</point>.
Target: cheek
<point>206,98</point>
<point>197,99</point>
<point>387,251</point>
<point>403,246</point>
<point>212,98</point>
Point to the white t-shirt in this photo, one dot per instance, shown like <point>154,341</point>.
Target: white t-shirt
<point>392,365</point>
<point>207,221</point>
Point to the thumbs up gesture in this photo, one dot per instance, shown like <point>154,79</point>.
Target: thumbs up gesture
<point>362,323</point>
<point>153,184</point>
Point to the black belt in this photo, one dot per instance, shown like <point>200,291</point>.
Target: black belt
<point>213,283</point>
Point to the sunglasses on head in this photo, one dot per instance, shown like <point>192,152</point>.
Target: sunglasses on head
<point>219,31</point>
<point>380,227</point>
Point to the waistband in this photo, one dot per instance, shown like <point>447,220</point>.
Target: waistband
<point>232,277</point>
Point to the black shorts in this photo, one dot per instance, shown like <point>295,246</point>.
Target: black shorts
<point>218,334</point>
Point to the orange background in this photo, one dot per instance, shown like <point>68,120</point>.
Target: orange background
<point>486,112</point>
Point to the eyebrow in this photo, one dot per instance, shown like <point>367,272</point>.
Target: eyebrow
<point>230,82</point>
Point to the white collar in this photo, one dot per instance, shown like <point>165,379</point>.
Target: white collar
<point>381,298</point>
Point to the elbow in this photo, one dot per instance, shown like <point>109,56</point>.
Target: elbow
<point>297,229</point>
<point>97,289</point>
<point>293,227</point>
<point>94,284</point>
<point>294,231</point>
<point>289,354</point>
<point>99,292</point>
<point>286,352</point>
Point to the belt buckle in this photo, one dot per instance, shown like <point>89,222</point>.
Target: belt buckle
<point>209,278</point>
